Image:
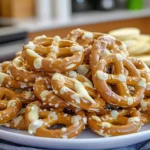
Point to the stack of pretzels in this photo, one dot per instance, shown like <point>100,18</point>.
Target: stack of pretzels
<point>58,87</point>
<point>138,45</point>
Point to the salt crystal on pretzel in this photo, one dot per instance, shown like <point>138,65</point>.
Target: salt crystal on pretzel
<point>47,96</point>
<point>47,56</point>
<point>78,97</point>
<point>101,78</point>
<point>104,125</point>
<point>40,127</point>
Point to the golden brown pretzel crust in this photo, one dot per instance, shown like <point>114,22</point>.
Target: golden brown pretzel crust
<point>74,124</point>
<point>145,118</point>
<point>86,39</point>
<point>123,98</point>
<point>144,72</point>
<point>17,123</point>
<point>87,76</point>
<point>83,37</point>
<point>117,125</point>
<point>4,66</point>
<point>145,105</point>
<point>104,46</point>
<point>20,72</point>
<point>8,108</point>
<point>53,54</point>
<point>47,96</point>
<point>74,92</point>
<point>7,80</point>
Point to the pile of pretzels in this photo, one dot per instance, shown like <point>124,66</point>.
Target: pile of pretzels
<point>138,44</point>
<point>57,87</point>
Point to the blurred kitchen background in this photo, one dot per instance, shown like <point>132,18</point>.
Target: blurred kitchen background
<point>22,20</point>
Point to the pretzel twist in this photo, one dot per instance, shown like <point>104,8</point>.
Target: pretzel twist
<point>7,81</point>
<point>74,92</point>
<point>18,122</point>
<point>116,123</point>
<point>47,96</point>
<point>8,108</point>
<point>53,54</point>
<point>144,72</point>
<point>19,71</point>
<point>122,97</point>
<point>145,119</point>
<point>104,46</point>
<point>145,105</point>
<point>63,83</point>
<point>39,124</point>
<point>4,66</point>
<point>84,38</point>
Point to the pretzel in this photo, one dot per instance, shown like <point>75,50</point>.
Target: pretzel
<point>19,71</point>
<point>106,45</point>
<point>18,122</point>
<point>56,82</point>
<point>11,110</point>
<point>84,38</point>
<point>40,123</point>
<point>116,123</point>
<point>144,58</point>
<point>53,54</point>
<point>108,108</point>
<point>25,96</point>
<point>18,54</point>
<point>84,69</point>
<point>145,105</point>
<point>74,92</point>
<point>145,119</point>
<point>6,93</point>
<point>7,81</point>
<point>4,66</point>
<point>87,55</point>
<point>144,72</point>
<point>85,81</point>
<point>122,97</point>
<point>8,108</point>
<point>47,96</point>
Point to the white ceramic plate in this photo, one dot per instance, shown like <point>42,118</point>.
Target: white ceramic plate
<point>86,140</point>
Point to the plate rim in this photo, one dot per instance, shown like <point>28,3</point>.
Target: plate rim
<point>76,140</point>
<point>76,143</point>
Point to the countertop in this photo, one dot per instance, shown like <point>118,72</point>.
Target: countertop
<point>35,24</point>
